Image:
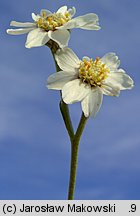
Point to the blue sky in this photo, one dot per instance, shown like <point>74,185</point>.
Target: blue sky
<point>34,146</point>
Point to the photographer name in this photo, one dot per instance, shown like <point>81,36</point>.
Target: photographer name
<point>68,208</point>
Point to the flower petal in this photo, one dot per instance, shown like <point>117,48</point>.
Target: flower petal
<point>36,37</point>
<point>62,9</point>
<point>110,90</point>
<point>35,17</point>
<point>92,102</point>
<point>81,21</point>
<point>120,80</point>
<point>111,61</point>
<point>19,31</point>
<point>67,60</point>
<point>60,36</point>
<point>58,80</point>
<point>21,24</point>
<point>86,58</point>
<point>47,12</point>
<point>74,91</point>
<point>121,70</point>
<point>91,26</point>
<point>72,11</point>
<point>85,19</point>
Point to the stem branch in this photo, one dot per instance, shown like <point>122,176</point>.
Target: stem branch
<point>66,117</point>
<point>74,138</point>
<point>64,107</point>
<point>74,156</point>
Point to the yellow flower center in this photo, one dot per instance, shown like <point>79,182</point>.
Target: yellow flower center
<point>52,21</point>
<point>93,72</point>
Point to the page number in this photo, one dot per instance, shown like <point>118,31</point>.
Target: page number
<point>133,208</point>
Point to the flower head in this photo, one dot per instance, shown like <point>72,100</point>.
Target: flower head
<point>54,26</point>
<point>87,80</point>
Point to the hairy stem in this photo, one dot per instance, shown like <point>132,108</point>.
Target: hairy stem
<point>63,106</point>
<point>66,117</point>
<point>74,156</point>
<point>74,138</point>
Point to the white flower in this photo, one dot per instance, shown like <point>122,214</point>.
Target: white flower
<point>87,80</point>
<point>54,26</point>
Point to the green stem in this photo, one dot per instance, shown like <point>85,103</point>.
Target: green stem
<point>64,108</point>
<point>66,117</point>
<point>75,138</point>
<point>74,156</point>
